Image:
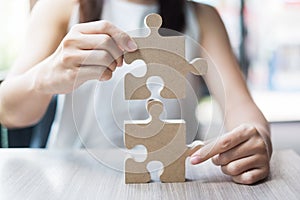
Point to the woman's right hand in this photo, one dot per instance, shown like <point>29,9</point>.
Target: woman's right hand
<point>89,51</point>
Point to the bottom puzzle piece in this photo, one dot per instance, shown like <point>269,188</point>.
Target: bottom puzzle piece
<point>164,141</point>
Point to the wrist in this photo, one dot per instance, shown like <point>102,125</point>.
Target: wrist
<point>41,79</point>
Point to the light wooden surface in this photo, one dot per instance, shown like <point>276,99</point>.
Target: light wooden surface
<point>45,174</point>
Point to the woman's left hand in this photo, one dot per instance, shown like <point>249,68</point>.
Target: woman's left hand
<point>242,154</point>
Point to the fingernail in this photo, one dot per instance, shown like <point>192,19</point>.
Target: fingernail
<point>131,45</point>
<point>120,64</point>
<point>195,159</point>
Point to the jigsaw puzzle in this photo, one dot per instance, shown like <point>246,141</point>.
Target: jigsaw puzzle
<point>165,140</point>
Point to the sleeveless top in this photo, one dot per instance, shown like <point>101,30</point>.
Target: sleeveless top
<point>93,115</point>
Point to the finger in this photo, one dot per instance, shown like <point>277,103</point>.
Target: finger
<point>122,39</point>
<point>101,42</point>
<point>222,144</point>
<point>239,166</point>
<point>195,146</point>
<point>107,74</point>
<point>97,57</point>
<point>252,176</point>
<point>238,152</point>
<point>255,145</point>
<point>93,72</point>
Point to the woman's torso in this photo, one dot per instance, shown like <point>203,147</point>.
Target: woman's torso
<point>93,115</point>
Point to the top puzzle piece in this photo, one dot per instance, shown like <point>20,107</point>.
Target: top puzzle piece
<point>164,57</point>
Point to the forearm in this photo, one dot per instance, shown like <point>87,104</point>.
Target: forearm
<point>21,104</point>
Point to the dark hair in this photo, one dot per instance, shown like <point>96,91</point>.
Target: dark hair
<point>172,12</point>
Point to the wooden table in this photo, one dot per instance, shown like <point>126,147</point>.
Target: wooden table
<point>48,174</point>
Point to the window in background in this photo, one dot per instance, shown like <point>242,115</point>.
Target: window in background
<point>13,19</point>
<point>274,50</point>
<point>272,45</point>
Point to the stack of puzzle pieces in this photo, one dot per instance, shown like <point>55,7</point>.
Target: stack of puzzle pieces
<point>165,140</point>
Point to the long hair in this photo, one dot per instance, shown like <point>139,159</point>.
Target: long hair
<point>172,12</point>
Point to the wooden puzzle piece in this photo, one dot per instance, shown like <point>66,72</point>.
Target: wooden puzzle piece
<point>164,141</point>
<point>164,57</point>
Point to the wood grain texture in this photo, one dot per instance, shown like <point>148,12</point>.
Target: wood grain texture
<point>48,174</point>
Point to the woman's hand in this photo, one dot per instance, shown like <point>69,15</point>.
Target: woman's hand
<point>242,154</point>
<point>89,51</point>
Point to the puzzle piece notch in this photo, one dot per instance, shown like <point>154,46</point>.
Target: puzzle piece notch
<point>171,67</point>
<point>167,146</point>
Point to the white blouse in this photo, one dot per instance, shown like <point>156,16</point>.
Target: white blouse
<point>93,115</point>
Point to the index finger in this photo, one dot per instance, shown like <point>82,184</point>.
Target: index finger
<point>122,39</point>
<point>221,144</point>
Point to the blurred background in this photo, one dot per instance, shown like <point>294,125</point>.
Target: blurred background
<point>265,36</point>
